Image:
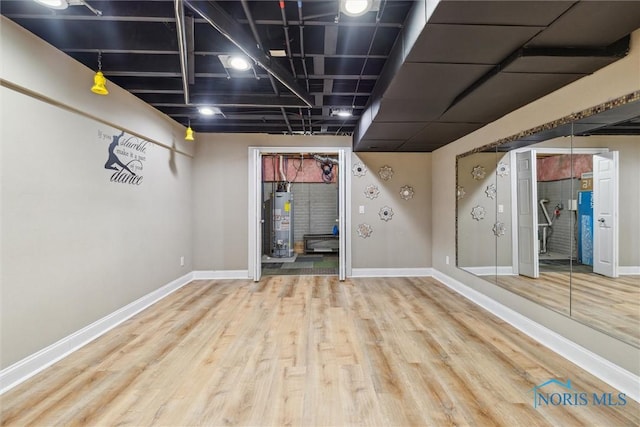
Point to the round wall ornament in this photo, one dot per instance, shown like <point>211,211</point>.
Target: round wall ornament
<point>503,169</point>
<point>364,230</point>
<point>478,172</point>
<point>385,172</point>
<point>478,213</point>
<point>460,192</point>
<point>406,192</point>
<point>359,169</point>
<point>491,191</point>
<point>371,191</point>
<point>385,213</point>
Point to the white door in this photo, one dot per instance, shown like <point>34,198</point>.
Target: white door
<point>605,214</point>
<point>527,208</point>
<point>255,214</point>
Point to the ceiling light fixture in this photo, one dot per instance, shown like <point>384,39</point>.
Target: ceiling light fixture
<point>189,134</point>
<point>355,7</point>
<point>341,112</point>
<point>239,63</point>
<point>209,111</point>
<point>54,4</point>
<point>99,81</point>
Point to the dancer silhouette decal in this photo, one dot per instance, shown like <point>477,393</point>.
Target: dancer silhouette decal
<point>125,156</point>
<point>113,157</point>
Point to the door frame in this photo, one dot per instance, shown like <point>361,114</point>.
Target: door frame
<point>514,186</point>
<point>255,204</point>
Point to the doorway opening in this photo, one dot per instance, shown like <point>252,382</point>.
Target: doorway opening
<point>566,215</point>
<point>300,214</point>
<point>298,211</point>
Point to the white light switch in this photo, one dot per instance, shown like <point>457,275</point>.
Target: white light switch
<point>500,208</point>
<point>361,208</point>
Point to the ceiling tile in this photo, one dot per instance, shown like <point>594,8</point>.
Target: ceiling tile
<point>591,24</point>
<point>534,13</point>
<point>504,93</point>
<point>469,44</point>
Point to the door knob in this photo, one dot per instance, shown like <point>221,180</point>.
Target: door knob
<point>601,220</point>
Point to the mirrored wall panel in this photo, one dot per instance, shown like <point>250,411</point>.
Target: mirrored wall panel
<point>563,217</point>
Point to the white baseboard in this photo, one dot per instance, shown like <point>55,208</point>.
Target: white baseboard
<point>490,270</point>
<point>24,369</point>
<point>391,272</point>
<point>598,366</point>
<point>629,270</point>
<point>220,274</point>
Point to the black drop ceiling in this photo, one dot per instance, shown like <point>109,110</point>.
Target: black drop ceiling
<point>414,84</point>
<point>475,61</point>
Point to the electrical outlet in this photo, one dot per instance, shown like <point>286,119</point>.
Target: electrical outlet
<point>361,209</point>
<point>446,260</point>
<point>181,261</point>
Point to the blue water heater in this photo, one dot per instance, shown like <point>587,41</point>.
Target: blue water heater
<point>585,227</point>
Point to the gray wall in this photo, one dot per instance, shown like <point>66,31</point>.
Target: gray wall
<point>220,232</point>
<point>405,240</point>
<point>74,246</point>
<point>221,167</point>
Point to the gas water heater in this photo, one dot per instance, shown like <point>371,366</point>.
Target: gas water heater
<point>282,224</point>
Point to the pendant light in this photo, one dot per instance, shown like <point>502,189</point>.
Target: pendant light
<point>99,81</point>
<point>189,135</point>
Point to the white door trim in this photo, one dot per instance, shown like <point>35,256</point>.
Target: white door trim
<point>255,211</point>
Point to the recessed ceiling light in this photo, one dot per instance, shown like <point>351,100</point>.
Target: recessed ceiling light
<point>239,63</point>
<point>355,7</point>
<point>278,53</point>
<point>54,4</point>
<point>341,112</point>
<point>209,111</point>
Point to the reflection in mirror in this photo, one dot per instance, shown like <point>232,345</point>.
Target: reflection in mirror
<point>569,206</point>
<point>540,191</point>
<point>605,282</point>
<point>476,195</point>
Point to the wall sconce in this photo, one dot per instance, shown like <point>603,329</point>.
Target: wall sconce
<point>99,81</point>
<point>189,134</point>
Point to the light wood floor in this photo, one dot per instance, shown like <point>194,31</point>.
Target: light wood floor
<point>308,351</point>
<point>611,305</point>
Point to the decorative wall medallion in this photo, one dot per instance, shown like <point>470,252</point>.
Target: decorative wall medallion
<point>503,169</point>
<point>478,213</point>
<point>386,173</point>
<point>406,192</point>
<point>460,192</point>
<point>491,191</point>
<point>364,230</point>
<point>478,172</point>
<point>371,192</point>
<point>499,229</point>
<point>359,169</point>
<point>385,213</point>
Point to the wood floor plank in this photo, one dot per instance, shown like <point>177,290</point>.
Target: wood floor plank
<point>309,351</point>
